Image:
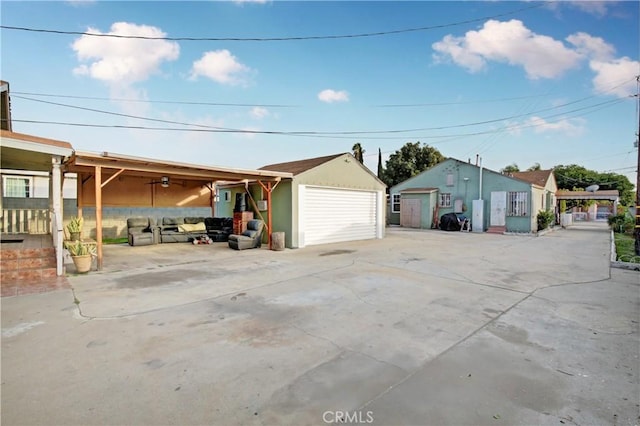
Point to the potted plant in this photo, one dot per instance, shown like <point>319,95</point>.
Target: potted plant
<point>74,227</point>
<point>82,254</point>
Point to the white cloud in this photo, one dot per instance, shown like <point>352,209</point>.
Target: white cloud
<point>221,66</point>
<point>594,7</point>
<point>616,77</point>
<point>508,42</point>
<point>330,96</point>
<point>592,47</point>
<point>259,113</point>
<point>123,60</point>
<point>570,127</point>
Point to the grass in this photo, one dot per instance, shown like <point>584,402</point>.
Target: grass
<point>625,248</point>
<point>115,240</point>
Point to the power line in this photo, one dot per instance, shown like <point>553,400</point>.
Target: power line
<point>339,133</point>
<point>264,39</point>
<point>269,105</point>
<point>313,134</point>
<point>53,95</point>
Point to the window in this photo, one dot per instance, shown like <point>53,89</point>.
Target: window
<point>450,179</point>
<point>395,203</point>
<point>227,196</point>
<point>17,187</point>
<point>445,200</point>
<point>517,204</point>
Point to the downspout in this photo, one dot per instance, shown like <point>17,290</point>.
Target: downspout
<point>480,189</point>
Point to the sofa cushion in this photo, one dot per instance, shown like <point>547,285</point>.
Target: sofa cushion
<point>250,233</point>
<point>138,222</point>
<point>192,227</point>
<point>193,220</point>
<point>172,221</point>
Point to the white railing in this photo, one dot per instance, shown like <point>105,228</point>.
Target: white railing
<point>25,221</point>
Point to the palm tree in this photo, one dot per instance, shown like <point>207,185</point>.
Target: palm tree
<point>358,152</point>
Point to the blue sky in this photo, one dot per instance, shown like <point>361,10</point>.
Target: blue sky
<point>515,82</point>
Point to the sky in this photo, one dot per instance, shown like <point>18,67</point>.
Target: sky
<point>251,83</point>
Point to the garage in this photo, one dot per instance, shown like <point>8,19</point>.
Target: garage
<point>328,199</point>
<point>332,215</point>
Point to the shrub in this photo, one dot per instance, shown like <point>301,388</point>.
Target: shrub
<point>544,219</point>
<point>621,223</point>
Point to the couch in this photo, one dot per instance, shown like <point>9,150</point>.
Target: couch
<point>142,231</point>
<point>219,228</point>
<point>251,238</point>
<point>186,229</point>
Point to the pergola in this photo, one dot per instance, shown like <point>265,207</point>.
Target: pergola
<point>105,167</point>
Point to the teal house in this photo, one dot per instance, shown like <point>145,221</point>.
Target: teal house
<point>509,203</point>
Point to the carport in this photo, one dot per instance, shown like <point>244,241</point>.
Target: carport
<point>107,169</point>
<point>608,195</point>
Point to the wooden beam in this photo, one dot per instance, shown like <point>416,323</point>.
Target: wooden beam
<point>115,175</point>
<point>268,188</point>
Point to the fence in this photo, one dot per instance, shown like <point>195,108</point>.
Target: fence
<point>25,221</point>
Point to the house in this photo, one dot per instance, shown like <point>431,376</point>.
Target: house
<point>329,199</point>
<point>544,188</point>
<point>510,203</point>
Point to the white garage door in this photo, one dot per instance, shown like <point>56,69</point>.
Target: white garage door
<point>330,215</point>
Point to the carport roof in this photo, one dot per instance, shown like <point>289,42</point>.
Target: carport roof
<point>611,195</point>
<point>85,162</point>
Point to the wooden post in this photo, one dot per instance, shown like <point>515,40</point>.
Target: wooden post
<point>98,187</point>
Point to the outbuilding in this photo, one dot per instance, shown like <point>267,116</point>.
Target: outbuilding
<point>329,199</point>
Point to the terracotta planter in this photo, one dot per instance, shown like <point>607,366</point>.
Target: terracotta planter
<point>82,263</point>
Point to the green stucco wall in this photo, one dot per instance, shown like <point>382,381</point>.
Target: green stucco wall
<point>437,177</point>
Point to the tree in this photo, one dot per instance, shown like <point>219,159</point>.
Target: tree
<point>380,168</point>
<point>574,177</point>
<point>410,160</point>
<point>358,152</point>
<point>511,168</point>
<point>536,166</point>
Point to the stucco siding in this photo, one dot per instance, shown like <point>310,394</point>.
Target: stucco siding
<point>462,182</point>
<point>341,172</point>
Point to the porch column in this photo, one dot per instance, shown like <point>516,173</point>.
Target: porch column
<point>56,198</point>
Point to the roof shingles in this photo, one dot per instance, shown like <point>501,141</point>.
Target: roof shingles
<point>297,167</point>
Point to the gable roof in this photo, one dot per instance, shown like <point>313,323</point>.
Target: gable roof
<point>536,177</point>
<point>300,166</point>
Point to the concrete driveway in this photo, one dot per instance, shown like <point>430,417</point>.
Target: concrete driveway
<point>421,328</point>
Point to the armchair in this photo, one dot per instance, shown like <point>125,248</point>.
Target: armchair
<point>142,231</point>
<point>251,238</point>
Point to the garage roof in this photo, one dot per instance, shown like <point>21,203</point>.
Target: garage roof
<point>300,166</point>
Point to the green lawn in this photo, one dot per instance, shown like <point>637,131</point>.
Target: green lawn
<point>115,240</point>
<point>625,249</point>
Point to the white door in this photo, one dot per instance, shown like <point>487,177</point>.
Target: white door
<point>498,208</point>
<point>331,215</point>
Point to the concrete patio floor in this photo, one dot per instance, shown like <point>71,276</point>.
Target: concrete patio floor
<point>421,328</point>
